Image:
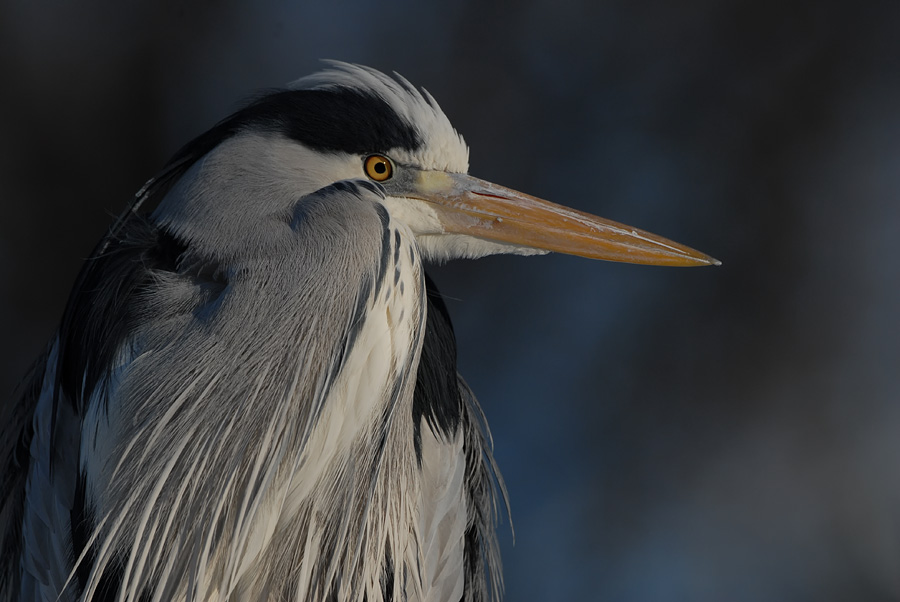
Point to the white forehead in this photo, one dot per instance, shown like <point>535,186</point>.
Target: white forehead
<point>443,149</point>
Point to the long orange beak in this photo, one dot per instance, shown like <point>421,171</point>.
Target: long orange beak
<point>467,205</point>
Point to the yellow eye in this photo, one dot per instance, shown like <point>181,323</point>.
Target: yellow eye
<point>378,167</point>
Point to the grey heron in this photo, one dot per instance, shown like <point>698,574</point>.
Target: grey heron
<point>253,390</point>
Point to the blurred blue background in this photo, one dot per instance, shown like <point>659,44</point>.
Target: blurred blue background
<point>704,435</point>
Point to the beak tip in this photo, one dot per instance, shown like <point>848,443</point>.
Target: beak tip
<point>694,258</point>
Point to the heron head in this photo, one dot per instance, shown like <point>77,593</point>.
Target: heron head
<point>352,122</point>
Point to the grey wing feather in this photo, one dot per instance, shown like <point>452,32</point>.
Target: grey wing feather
<point>485,490</point>
<point>16,427</point>
<point>37,512</point>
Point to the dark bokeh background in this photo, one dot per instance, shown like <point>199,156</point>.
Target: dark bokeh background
<point>705,434</point>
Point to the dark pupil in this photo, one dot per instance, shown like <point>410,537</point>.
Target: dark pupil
<point>380,168</point>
